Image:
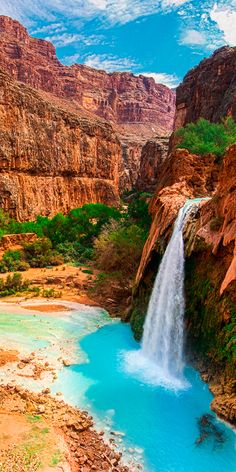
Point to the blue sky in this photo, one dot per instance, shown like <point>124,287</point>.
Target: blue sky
<point>161,38</point>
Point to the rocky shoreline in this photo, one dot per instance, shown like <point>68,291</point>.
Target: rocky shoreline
<point>85,448</point>
<point>223,389</point>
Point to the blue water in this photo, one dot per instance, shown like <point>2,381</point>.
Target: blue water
<point>160,425</point>
<point>161,422</point>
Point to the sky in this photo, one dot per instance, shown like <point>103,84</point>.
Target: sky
<point>158,38</point>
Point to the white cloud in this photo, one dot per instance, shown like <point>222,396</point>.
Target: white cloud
<point>208,24</point>
<point>113,11</point>
<point>225,17</point>
<point>65,39</point>
<point>51,27</point>
<point>173,3</point>
<point>69,60</point>
<point>110,63</point>
<point>61,40</point>
<point>170,80</point>
<point>193,37</point>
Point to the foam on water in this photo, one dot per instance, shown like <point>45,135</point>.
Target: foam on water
<point>138,365</point>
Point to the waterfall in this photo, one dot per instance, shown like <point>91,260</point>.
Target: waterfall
<point>160,359</point>
<point>162,341</point>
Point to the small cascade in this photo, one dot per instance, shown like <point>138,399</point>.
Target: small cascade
<point>161,356</point>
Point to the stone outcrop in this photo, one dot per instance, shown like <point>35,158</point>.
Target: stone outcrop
<point>153,154</point>
<point>218,218</point>
<point>86,449</point>
<point>182,176</point>
<point>51,159</point>
<point>208,90</point>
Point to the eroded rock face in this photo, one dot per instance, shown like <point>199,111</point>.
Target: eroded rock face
<point>153,154</point>
<point>182,176</point>
<point>52,160</point>
<point>218,218</point>
<point>118,97</point>
<point>208,90</point>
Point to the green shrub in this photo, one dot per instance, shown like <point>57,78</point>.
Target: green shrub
<point>204,137</point>
<point>138,212</point>
<point>81,224</point>
<point>119,248</point>
<point>41,254</point>
<point>4,220</point>
<point>87,271</point>
<point>13,261</point>
<point>51,293</point>
<point>70,238</point>
<point>13,284</point>
<point>69,251</point>
<point>75,252</point>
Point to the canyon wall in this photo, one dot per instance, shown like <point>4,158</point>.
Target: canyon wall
<point>136,106</point>
<point>118,97</point>
<point>52,160</point>
<point>210,285</point>
<point>208,90</point>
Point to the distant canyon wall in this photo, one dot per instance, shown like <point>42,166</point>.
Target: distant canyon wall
<point>52,160</point>
<point>120,97</point>
<point>137,107</point>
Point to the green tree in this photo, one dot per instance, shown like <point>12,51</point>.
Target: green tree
<point>204,137</point>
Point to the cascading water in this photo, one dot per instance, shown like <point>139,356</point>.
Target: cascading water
<point>164,326</point>
<point>160,359</point>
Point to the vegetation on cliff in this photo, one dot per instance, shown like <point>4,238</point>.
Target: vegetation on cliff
<point>211,319</point>
<point>204,137</point>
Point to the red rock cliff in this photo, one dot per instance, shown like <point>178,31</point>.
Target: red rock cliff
<point>208,90</point>
<point>118,97</point>
<point>137,107</point>
<point>153,154</point>
<point>52,160</point>
<point>182,176</point>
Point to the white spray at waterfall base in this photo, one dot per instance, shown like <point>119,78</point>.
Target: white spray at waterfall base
<point>160,359</point>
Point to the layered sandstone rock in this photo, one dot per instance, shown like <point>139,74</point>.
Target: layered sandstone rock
<point>52,160</point>
<point>218,218</point>
<point>137,107</point>
<point>208,90</point>
<point>118,97</point>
